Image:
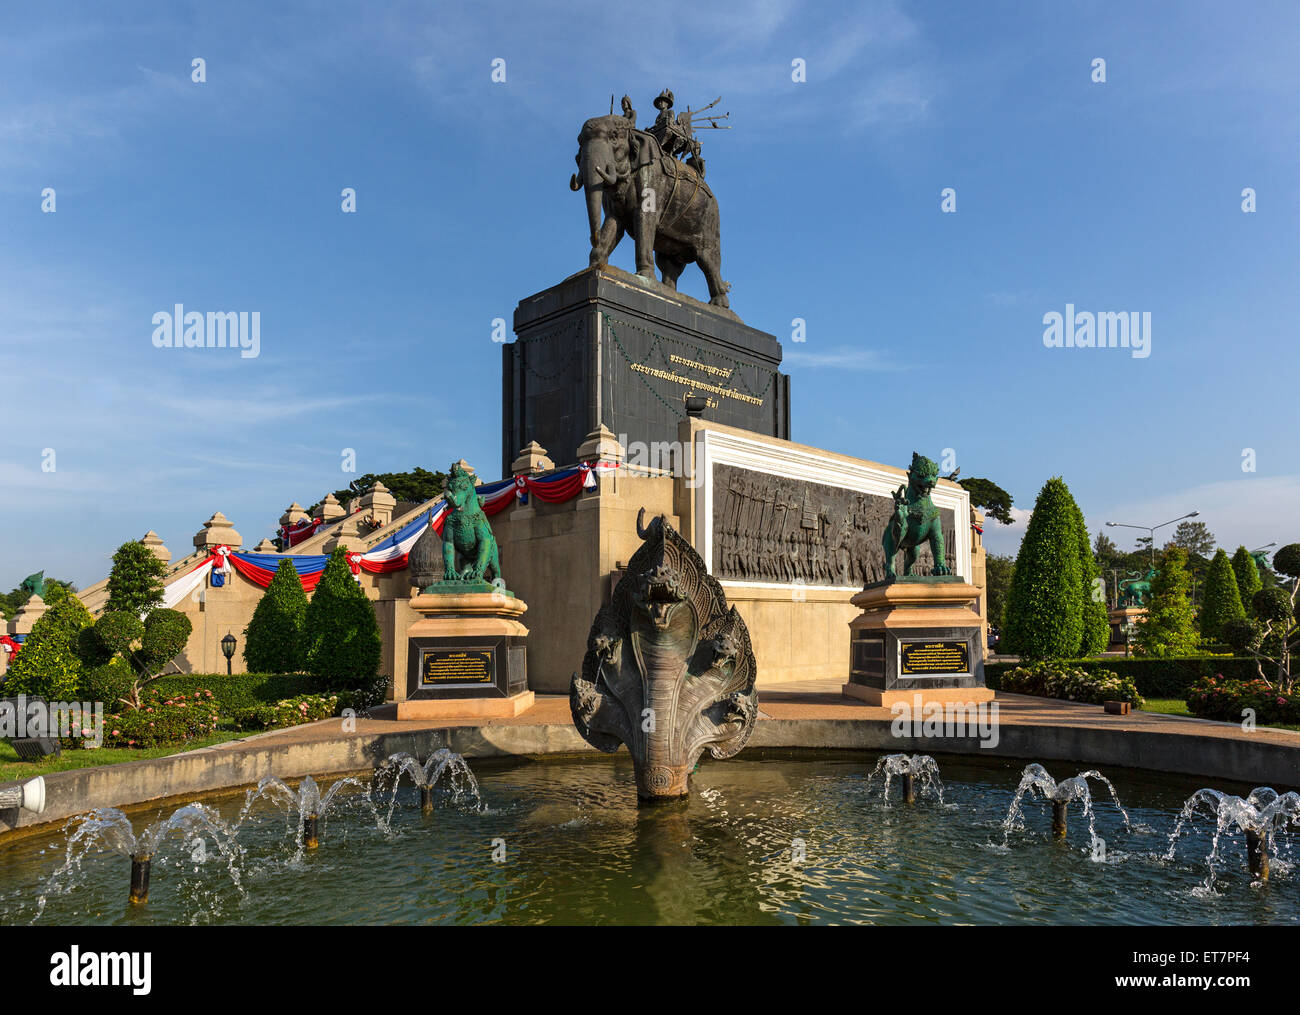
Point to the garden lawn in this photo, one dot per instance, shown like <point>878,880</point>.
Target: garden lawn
<point>1176,706</point>
<point>1167,706</point>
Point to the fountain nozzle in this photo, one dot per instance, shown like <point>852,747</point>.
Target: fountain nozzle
<point>909,788</point>
<point>1059,826</point>
<point>310,831</point>
<point>426,800</point>
<point>1257,855</point>
<point>140,864</point>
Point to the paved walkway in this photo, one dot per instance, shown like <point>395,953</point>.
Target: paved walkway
<point>812,699</point>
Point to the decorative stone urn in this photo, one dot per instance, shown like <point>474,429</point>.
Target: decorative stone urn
<point>669,670</point>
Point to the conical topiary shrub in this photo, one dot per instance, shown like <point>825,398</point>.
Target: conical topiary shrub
<point>1248,580</point>
<point>1045,606</point>
<point>1096,621</point>
<point>274,640</point>
<point>342,638</point>
<point>1222,601</point>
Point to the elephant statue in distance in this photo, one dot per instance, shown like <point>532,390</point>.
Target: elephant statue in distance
<point>667,208</point>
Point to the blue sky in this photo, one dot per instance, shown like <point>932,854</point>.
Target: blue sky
<point>924,328</point>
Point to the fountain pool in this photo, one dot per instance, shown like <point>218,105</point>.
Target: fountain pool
<point>765,838</point>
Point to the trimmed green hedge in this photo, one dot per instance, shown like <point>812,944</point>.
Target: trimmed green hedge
<point>241,691</point>
<point>250,690</point>
<point>1155,678</point>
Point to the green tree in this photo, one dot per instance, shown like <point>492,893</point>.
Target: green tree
<point>135,581</point>
<point>415,486</point>
<point>1194,537</point>
<point>1169,628</point>
<point>1045,604</point>
<point>273,639</point>
<point>342,638</point>
<point>1248,580</point>
<point>989,497</point>
<point>1222,602</point>
<point>51,662</point>
<point>1276,638</point>
<point>997,583</point>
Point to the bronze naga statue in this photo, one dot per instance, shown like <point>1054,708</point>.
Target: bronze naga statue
<point>915,520</point>
<point>632,177</point>
<point>669,670</point>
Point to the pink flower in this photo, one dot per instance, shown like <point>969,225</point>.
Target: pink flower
<point>117,733</point>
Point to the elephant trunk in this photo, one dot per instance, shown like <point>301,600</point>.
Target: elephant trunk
<point>594,201</point>
<point>596,171</point>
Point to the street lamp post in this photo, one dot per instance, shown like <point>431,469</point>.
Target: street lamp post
<point>1152,529</point>
<point>228,649</point>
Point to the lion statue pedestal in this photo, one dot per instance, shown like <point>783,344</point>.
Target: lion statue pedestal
<point>466,657</point>
<point>917,636</point>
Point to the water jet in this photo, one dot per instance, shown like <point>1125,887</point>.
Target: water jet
<point>1259,816</point>
<point>1035,780</point>
<point>917,772</point>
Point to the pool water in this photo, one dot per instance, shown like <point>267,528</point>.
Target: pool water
<point>764,839</point>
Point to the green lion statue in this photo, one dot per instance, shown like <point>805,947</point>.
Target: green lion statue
<point>34,584</point>
<point>469,550</point>
<point>915,520</point>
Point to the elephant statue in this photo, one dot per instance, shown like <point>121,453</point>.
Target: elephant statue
<point>667,208</point>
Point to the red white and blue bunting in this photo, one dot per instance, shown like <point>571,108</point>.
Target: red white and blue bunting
<point>389,554</point>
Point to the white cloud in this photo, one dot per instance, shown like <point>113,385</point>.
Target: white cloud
<point>840,358</point>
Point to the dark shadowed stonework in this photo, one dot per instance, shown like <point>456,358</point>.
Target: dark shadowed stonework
<point>607,347</point>
<point>776,529</point>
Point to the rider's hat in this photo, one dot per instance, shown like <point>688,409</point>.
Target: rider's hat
<point>664,99</point>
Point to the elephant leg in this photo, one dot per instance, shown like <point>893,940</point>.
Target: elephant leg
<point>670,268</point>
<point>711,264</point>
<point>645,241</point>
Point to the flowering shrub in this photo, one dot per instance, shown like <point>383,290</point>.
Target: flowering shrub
<point>1069,683</point>
<point>289,712</point>
<point>162,721</point>
<point>1220,698</point>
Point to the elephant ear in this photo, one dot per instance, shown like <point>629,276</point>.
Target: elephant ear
<point>644,148</point>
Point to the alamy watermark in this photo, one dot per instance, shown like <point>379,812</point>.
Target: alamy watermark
<point>1106,329</point>
<point>181,329</point>
<point>933,719</point>
<point>21,718</point>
